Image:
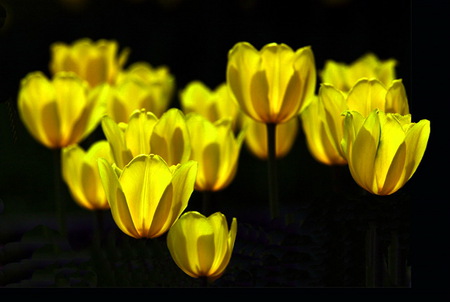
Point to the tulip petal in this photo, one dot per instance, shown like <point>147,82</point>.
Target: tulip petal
<point>116,139</point>
<point>116,199</point>
<point>396,100</point>
<point>367,95</point>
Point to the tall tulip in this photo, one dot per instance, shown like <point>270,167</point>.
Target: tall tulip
<point>271,86</point>
<point>80,172</point>
<point>148,195</point>
<point>383,150</point>
<point>202,246</point>
<point>61,111</point>
<point>322,120</point>
<point>96,62</point>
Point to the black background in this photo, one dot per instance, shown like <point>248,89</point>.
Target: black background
<point>193,37</point>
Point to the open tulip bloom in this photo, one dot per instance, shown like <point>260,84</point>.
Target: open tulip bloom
<point>147,196</point>
<point>383,150</point>
<point>61,111</point>
<point>202,246</point>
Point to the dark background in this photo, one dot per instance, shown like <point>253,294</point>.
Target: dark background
<point>193,37</point>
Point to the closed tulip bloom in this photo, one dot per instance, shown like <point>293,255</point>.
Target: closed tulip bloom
<point>61,111</point>
<point>256,137</point>
<point>322,120</point>
<point>202,246</point>
<point>141,87</point>
<point>383,150</point>
<point>344,76</point>
<point>147,196</point>
<point>80,172</point>
<point>212,104</point>
<point>273,84</point>
<point>96,62</point>
<point>216,149</point>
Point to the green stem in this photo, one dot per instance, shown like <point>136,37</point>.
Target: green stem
<point>272,170</point>
<point>372,254</point>
<point>206,203</point>
<point>98,223</point>
<point>58,185</point>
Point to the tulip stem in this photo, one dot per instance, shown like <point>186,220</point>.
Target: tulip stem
<point>272,170</point>
<point>59,200</point>
<point>206,202</point>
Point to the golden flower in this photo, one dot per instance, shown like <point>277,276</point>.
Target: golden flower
<point>256,137</point>
<point>96,62</point>
<point>141,87</point>
<point>212,104</point>
<point>80,172</point>
<point>61,111</point>
<point>202,246</point>
<point>145,133</point>
<point>148,195</point>
<point>273,84</point>
<point>322,120</point>
<point>344,76</point>
<point>383,150</point>
<point>216,150</point>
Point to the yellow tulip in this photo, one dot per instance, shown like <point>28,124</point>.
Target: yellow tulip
<point>96,62</point>
<point>322,120</point>
<point>216,150</point>
<point>273,84</point>
<point>61,111</point>
<point>383,150</point>
<point>148,195</point>
<point>80,172</point>
<point>202,246</point>
<point>212,104</point>
<point>256,137</point>
<point>344,76</point>
<point>141,87</point>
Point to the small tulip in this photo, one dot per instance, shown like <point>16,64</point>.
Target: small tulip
<point>216,150</point>
<point>322,120</point>
<point>213,104</point>
<point>273,84</point>
<point>256,137</point>
<point>344,76</point>
<point>148,195</point>
<point>141,87</point>
<point>96,62</point>
<point>202,246</point>
<point>80,172</point>
<point>383,150</point>
<point>61,111</point>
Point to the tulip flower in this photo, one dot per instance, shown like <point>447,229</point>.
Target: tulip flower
<point>96,62</point>
<point>383,150</point>
<point>212,104</point>
<point>80,172</point>
<point>202,246</point>
<point>216,150</point>
<point>147,196</point>
<point>141,87</point>
<point>273,84</point>
<point>145,134</point>
<point>322,120</point>
<point>61,111</point>
<point>344,76</point>
<point>256,137</point>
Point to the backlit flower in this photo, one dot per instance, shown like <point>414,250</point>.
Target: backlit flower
<point>273,84</point>
<point>383,150</point>
<point>80,172</point>
<point>148,195</point>
<point>202,246</point>
<point>216,149</point>
<point>61,111</point>
<point>141,87</point>
<point>256,137</point>
<point>344,76</point>
<point>96,62</point>
<point>322,120</point>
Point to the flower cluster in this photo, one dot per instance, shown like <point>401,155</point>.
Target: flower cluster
<point>153,156</point>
